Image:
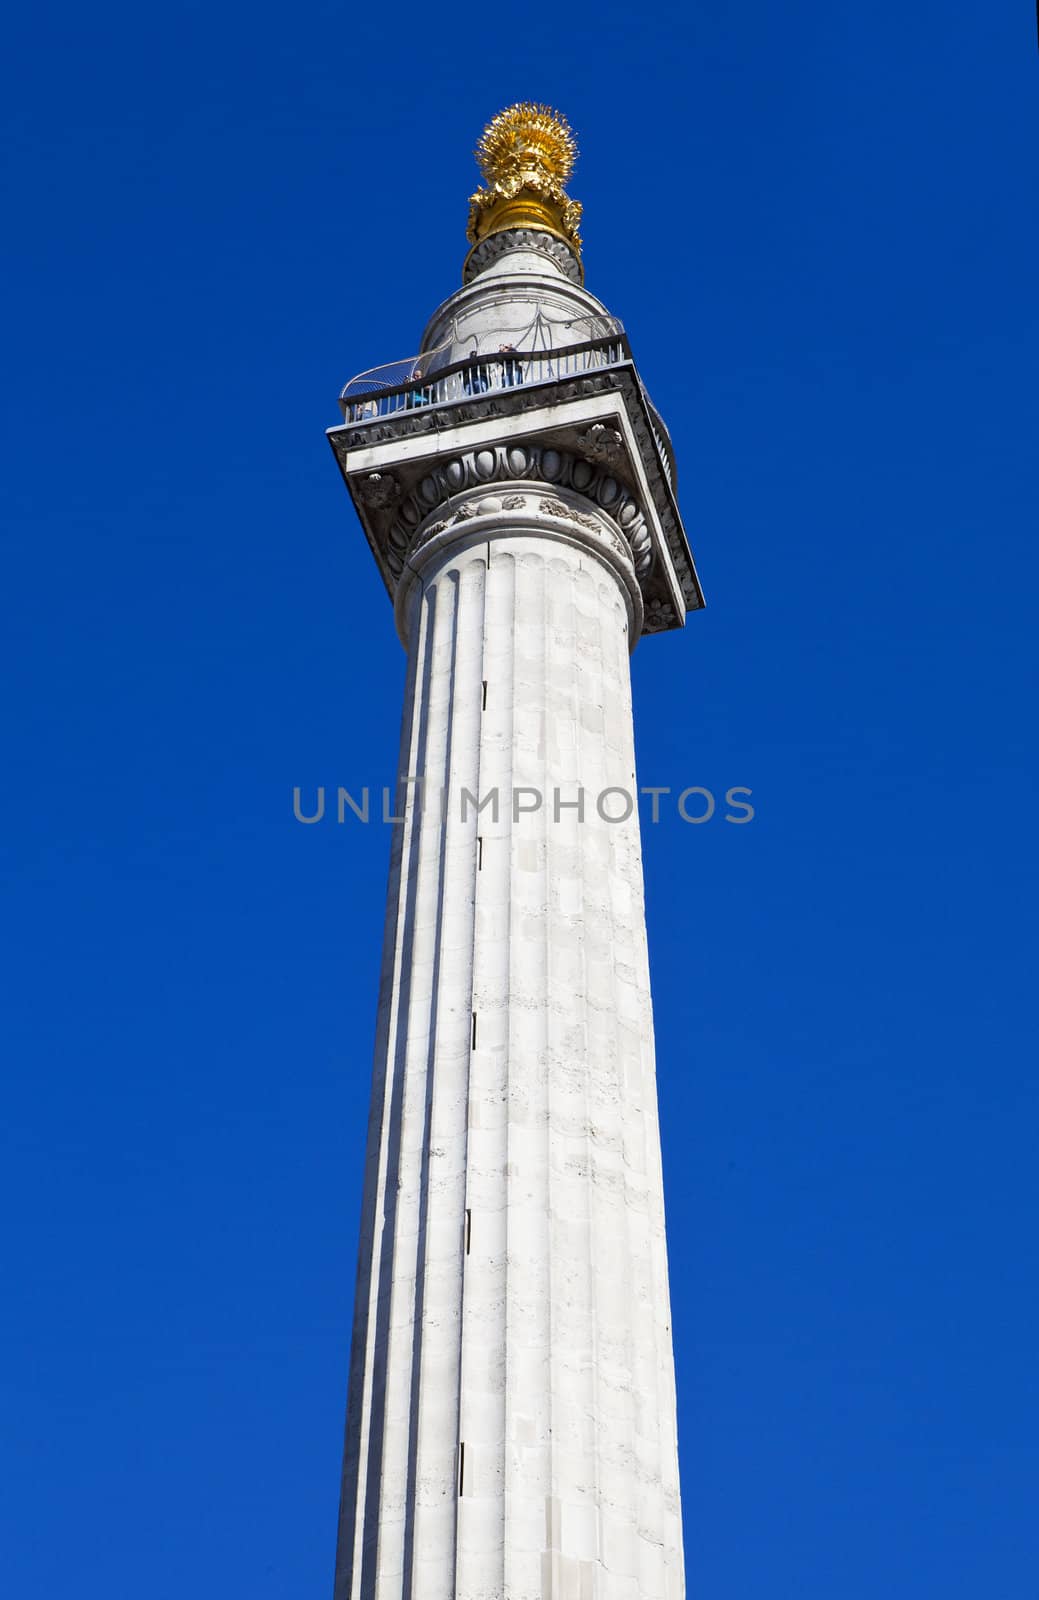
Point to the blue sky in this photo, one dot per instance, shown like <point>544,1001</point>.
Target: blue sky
<point>818,223</point>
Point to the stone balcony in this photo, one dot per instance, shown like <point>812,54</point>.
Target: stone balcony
<point>584,403</point>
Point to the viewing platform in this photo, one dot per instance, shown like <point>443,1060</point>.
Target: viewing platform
<point>425,381</point>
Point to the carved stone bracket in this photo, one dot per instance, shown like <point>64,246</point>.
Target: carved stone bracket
<point>601,443</point>
<point>378,490</point>
<point>516,463</point>
<point>660,615</point>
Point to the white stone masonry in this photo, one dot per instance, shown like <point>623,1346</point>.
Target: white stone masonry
<point>511,1431</point>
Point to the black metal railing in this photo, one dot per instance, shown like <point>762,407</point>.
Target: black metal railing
<point>414,386</point>
<point>365,399</point>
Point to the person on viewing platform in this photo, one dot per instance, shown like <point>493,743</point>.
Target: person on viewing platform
<point>476,379</point>
<point>511,370</point>
<point>418,397</point>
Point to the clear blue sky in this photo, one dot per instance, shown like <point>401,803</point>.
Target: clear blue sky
<point>819,224</point>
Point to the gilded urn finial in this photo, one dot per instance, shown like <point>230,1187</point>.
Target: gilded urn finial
<point>526,154</point>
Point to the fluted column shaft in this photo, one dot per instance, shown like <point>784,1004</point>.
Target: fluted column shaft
<point>511,1427</point>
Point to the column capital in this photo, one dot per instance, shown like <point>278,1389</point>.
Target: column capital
<point>491,515</point>
<point>524,420</point>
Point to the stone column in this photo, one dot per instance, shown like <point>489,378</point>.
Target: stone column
<point>511,1426</point>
